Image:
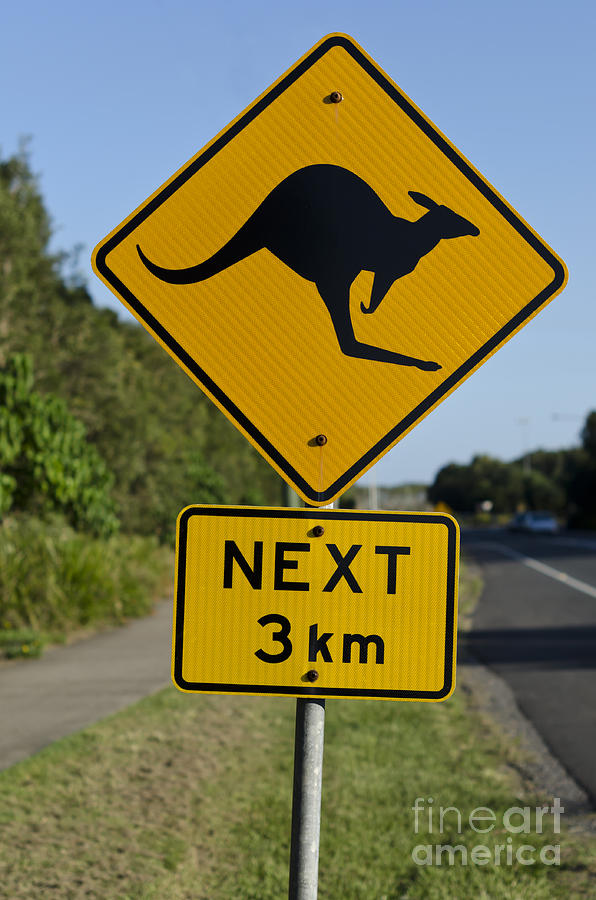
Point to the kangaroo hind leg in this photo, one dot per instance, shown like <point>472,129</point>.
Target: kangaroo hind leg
<point>338,304</point>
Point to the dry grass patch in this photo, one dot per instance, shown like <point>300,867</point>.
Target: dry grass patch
<point>113,811</point>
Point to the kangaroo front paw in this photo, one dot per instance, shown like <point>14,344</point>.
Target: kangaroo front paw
<point>429,366</point>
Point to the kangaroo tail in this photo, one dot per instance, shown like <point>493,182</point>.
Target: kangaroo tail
<point>238,247</point>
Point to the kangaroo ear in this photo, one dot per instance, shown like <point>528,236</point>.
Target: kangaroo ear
<point>422,199</point>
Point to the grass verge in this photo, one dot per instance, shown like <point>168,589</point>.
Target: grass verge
<point>189,797</point>
<point>470,589</point>
<point>54,581</point>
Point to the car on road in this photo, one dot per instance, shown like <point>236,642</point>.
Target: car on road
<point>535,522</point>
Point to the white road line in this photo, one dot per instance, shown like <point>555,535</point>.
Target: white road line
<point>541,567</point>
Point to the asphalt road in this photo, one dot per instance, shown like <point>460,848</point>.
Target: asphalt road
<point>71,687</point>
<point>535,626</point>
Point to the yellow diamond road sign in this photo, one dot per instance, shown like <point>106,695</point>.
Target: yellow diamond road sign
<point>327,603</point>
<point>329,265</point>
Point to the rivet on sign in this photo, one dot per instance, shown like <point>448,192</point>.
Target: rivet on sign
<point>336,97</point>
<point>312,675</point>
<point>321,440</point>
<point>318,530</point>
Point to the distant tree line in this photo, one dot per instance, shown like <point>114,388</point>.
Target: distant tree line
<point>563,481</point>
<point>98,422</point>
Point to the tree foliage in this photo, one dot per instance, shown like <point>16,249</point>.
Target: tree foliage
<point>563,481</point>
<point>582,483</point>
<point>588,436</point>
<point>46,462</point>
<point>164,442</point>
<point>506,485</point>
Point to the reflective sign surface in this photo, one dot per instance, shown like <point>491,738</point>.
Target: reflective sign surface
<point>329,603</point>
<point>333,268</point>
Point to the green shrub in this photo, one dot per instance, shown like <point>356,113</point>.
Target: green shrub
<point>46,463</point>
<point>23,642</point>
<point>54,580</point>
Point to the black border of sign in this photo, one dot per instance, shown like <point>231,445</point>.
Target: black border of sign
<point>314,515</point>
<point>189,363</point>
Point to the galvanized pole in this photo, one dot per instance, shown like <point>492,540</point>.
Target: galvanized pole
<point>306,801</point>
<point>306,804</point>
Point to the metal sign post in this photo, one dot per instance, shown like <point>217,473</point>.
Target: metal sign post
<point>309,743</point>
<point>306,801</point>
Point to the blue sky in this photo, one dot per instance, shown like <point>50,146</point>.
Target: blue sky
<point>117,96</point>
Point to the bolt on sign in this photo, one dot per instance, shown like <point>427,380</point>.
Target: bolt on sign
<point>316,603</point>
<point>329,264</point>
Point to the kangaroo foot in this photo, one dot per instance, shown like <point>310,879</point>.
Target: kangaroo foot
<point>367,351</point>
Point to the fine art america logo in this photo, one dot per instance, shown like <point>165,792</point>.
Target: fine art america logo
<point>432,821</point>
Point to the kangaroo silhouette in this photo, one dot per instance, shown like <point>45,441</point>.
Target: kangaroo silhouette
<point>328,225</point>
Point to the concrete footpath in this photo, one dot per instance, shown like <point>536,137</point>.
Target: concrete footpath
<point>71,687</point>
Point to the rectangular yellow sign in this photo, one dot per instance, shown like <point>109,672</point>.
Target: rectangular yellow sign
<point>326,603</point>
